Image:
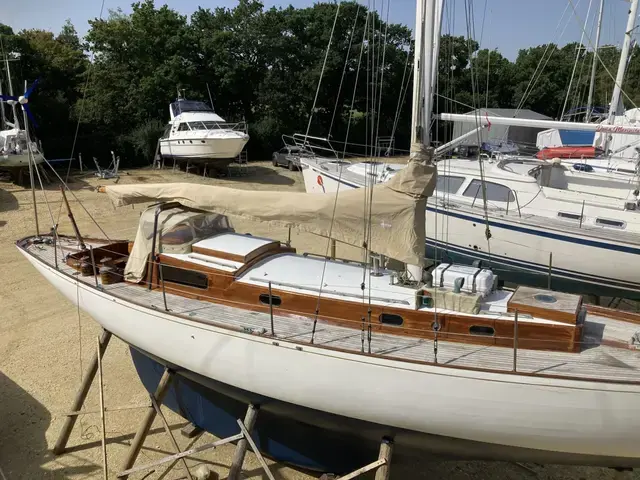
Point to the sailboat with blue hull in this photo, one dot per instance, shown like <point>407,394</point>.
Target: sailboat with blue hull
<point>280,432</point>
<point>340,356</point>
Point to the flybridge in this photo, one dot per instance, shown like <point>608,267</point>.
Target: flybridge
<point>487,121</point>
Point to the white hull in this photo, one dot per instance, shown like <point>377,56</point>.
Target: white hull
<point>561,416</point>
<point>515,244</point>
<point>19,160</point>
<point>203,148</point>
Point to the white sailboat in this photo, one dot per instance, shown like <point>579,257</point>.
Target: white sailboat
<point>617,153</point>
<point>338,354</point>
<point>544,223</point>
<point>197,134</point>
<point>14,147</point>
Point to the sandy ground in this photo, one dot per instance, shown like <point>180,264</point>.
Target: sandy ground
<point>45,344</point>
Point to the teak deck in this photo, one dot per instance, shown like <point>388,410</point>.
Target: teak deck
<point>605,355</point>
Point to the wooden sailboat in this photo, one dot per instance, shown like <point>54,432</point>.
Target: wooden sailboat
<point>338,354</point>
<point>464,370</point>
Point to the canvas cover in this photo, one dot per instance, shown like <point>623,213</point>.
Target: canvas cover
<point>394,225</point>
<point>178,229</point>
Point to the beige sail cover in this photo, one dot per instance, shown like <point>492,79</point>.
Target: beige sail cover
<point>397,217</point>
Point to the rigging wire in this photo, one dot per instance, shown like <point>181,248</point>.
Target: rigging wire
<point>469,15</point>
<point>344,70</point>
<point>404,87</point>
<point>575,64</point>
<point>537,74</point>
<point>84,97</point>
<point>575,12</point>
<point>335,200</point>
<point>324,65</point>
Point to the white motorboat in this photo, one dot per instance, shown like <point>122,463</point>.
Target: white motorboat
<point>197,134</point>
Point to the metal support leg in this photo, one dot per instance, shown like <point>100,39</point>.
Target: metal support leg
<point>136,445</point>
<point>241,447</point>
<point>90,374</point>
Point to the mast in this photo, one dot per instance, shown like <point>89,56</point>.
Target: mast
<point>436,40</point>
<point>3,117</point>
<point>594,64</point>
<point>13,105</point>
<point>622,66</point>
<point>32,164</point>
<point>427,71</point>
<point>417,72</point>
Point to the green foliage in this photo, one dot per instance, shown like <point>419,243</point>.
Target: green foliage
<point>264,65</point>
<point>144,138</point>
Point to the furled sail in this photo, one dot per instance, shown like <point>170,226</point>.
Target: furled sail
<point>396,216</point>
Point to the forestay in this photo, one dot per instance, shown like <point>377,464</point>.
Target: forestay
<point>396,216</point>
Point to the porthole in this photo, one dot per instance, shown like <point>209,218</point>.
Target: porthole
<point>391,319</point>
<point>482,330</point>
<point>275,300</point>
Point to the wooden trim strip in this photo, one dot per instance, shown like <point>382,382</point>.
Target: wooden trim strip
<point>614,313</point>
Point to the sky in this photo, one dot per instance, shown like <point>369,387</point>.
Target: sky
<point>509,25</point>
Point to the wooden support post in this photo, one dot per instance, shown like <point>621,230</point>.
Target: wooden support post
<point>362,470</point>
<point>78,401</point>
<point>165,424</point>
<point>241,447</point>
<point>178,456</point>
<point>105,471</point>
<point>386,450</point>
<point>136,445</point>
<point>254,447</point>
<point>333,249</point>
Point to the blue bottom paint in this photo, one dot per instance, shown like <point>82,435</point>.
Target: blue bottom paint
<point>276,436</point>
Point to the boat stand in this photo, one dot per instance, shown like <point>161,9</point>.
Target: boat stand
<point>152,410</point>
<point>382,465</point>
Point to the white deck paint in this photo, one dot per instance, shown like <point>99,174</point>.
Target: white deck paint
<point>294,273</point>
<point>206,261</point>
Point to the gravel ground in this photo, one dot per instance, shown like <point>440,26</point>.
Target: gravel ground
<point>45,343</point>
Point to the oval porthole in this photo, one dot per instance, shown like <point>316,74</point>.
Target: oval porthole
<point>391,319</point>
<point>481,330</point>
<point>545,298</point>
<point>275,300</point>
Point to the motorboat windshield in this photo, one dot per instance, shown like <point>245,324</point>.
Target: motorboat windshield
<point>182,106</point>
